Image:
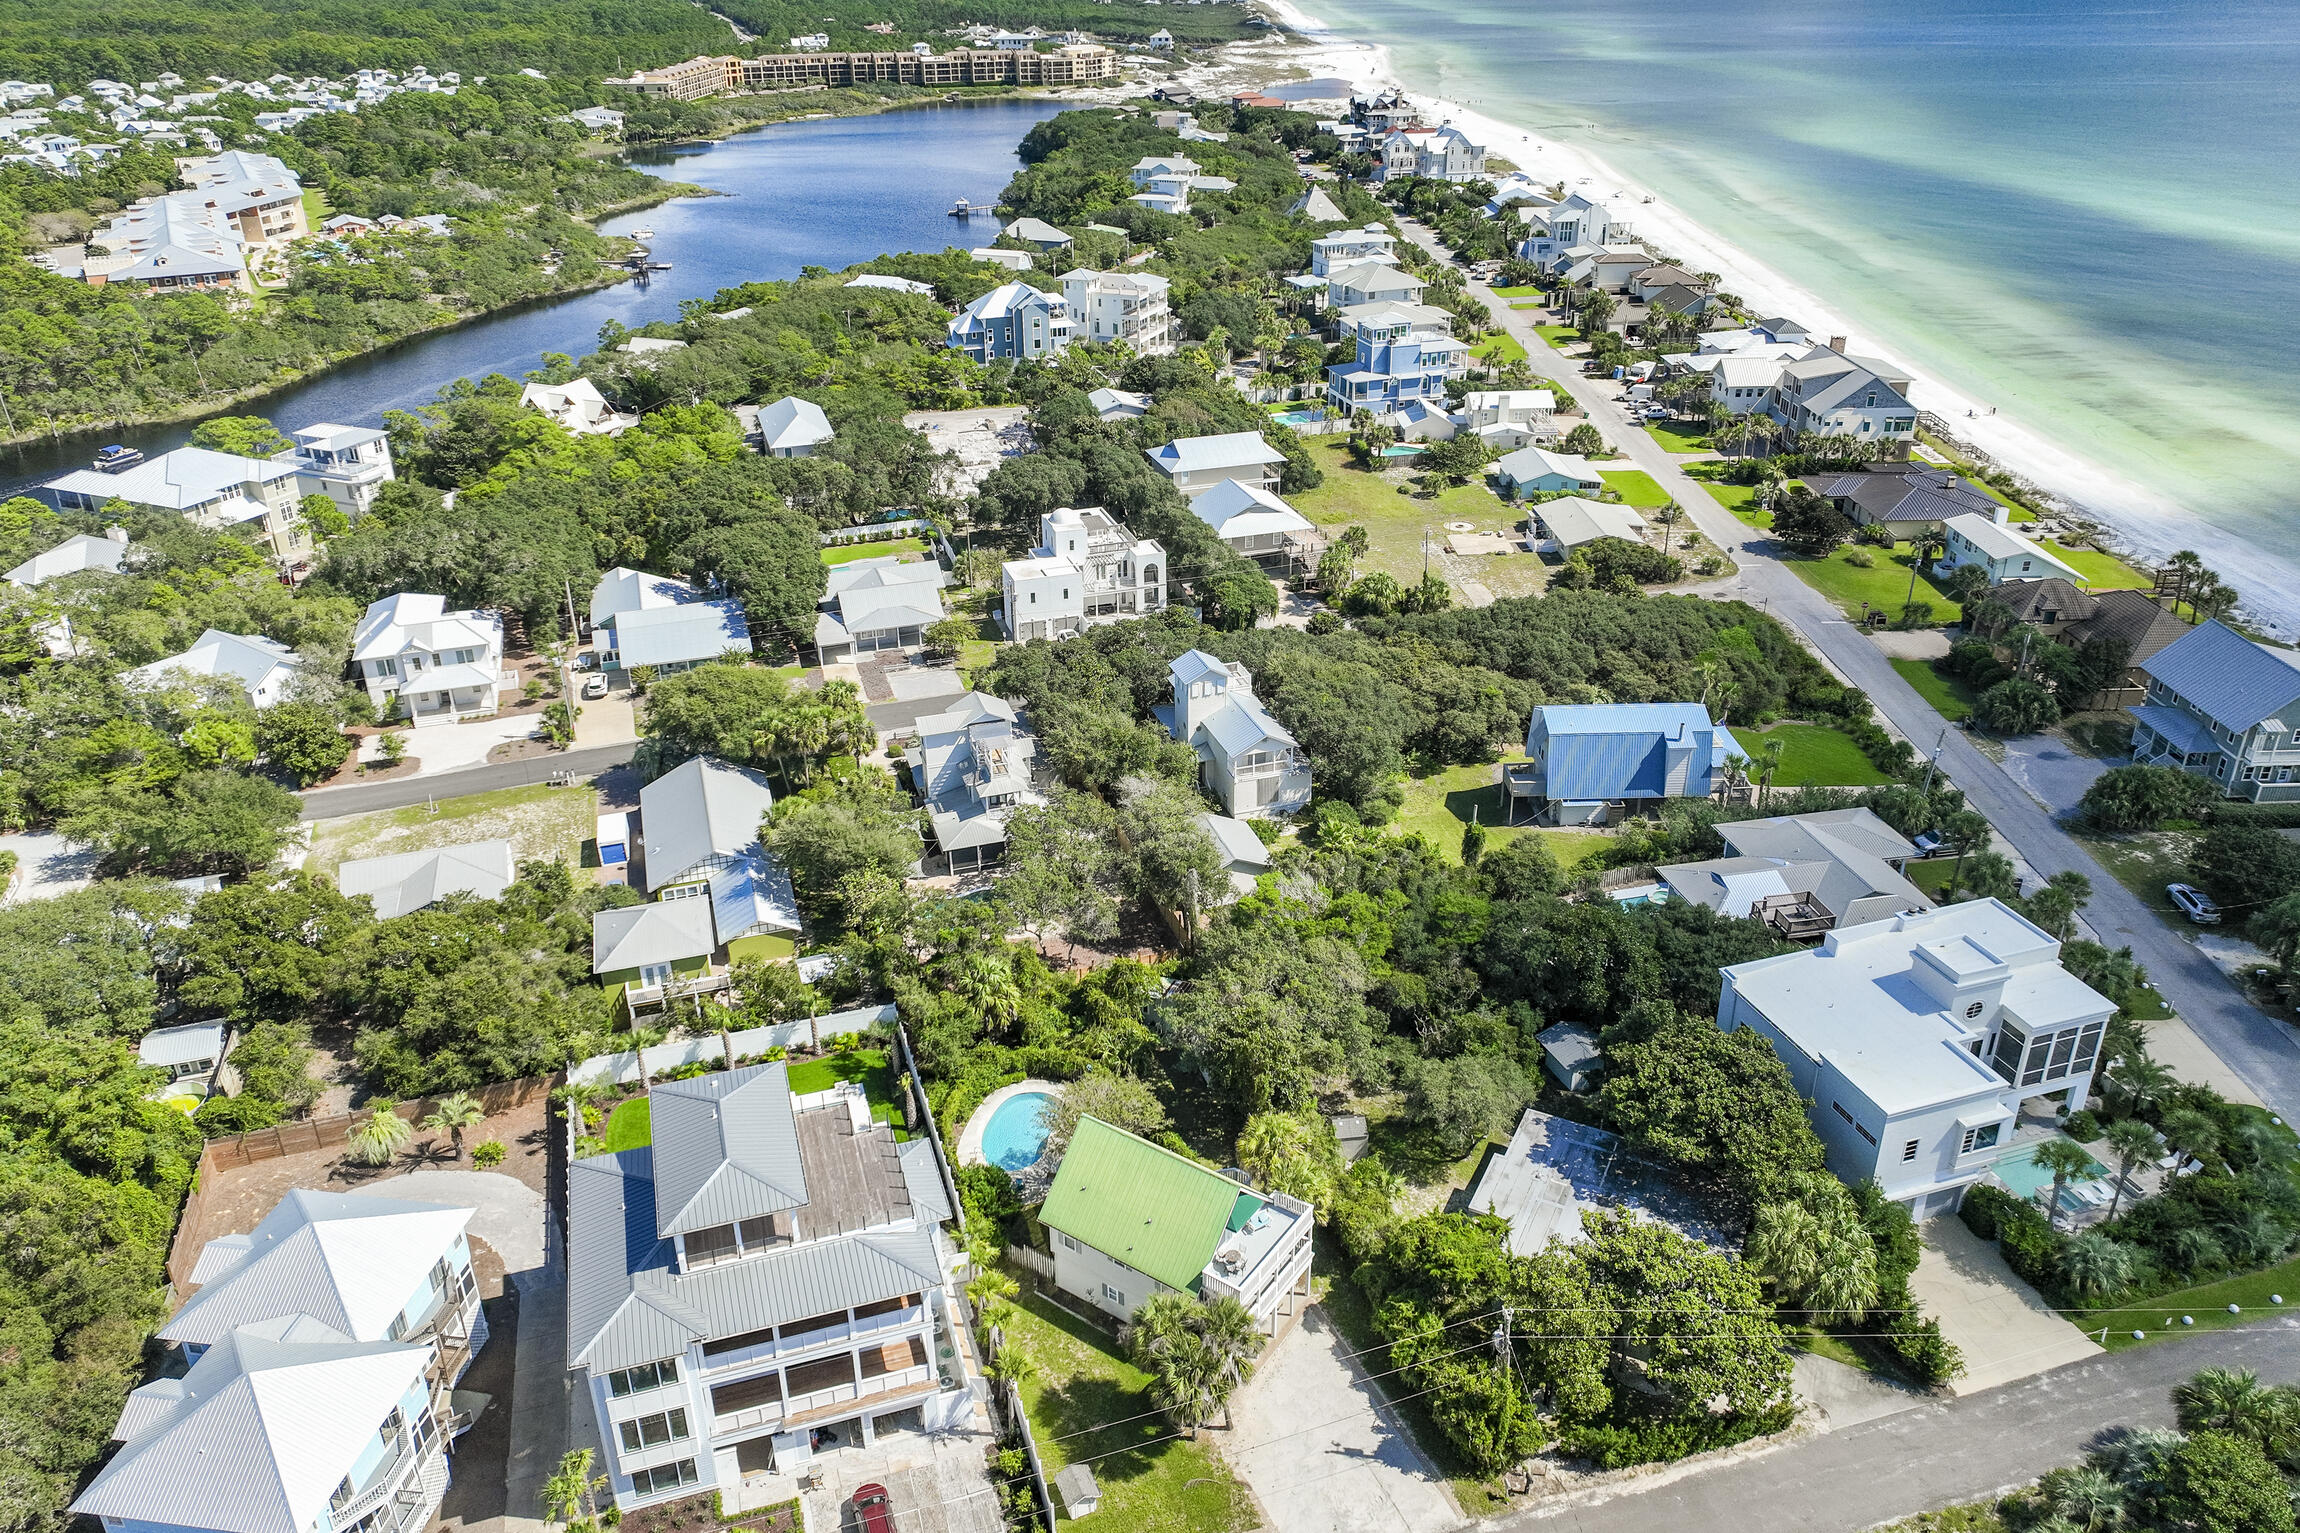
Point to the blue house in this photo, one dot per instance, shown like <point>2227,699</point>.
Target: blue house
<point>2226,709</point>
<point>1587,762</point>
<point>1400,361</point>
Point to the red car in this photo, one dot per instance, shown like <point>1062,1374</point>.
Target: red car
<point>873,1511</point>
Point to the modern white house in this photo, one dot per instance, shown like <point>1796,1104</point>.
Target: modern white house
<point>1086,570</point>
<point>669,625</point>
<point>1247,759</point>
<point>1987,543</point>
<point>1919,1041</point>
<point>792,427</point>
<point>258,499</point>
<point>2223,708</point>
<point>577,406</point>
<point>1256,523</point>
<point>441,667</point>
<point>1539,471</point>
<point>79,554</point>
<point>1130,1219</point>
<point>1575,223</point>
<point>1570,522</point>
<point>1195,464</point>
<point>406,881</point>
<point>877,606</point>
<point>1350,247</point>
<point>974,765</point>
<point>1509,418</point>
<point>263,666</point>
<point>766,1276</point>
<point>1130,306</point>
<point>1015,322</point>
<point>347,464</point>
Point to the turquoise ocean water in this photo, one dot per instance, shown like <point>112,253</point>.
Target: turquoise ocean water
<point>2082,212</point>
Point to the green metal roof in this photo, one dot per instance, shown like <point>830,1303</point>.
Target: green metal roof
<point>1143,1205</point>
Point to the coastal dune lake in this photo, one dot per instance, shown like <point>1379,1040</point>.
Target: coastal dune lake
<point>824,193</point>
<point>2082,213</point>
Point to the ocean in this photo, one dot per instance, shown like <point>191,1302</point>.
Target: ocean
<point>2082,214</point>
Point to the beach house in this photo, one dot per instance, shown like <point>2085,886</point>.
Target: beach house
<point>878,606</point>
<point>1013,322</point>
<point>264,666</point>
<point>1988,543</point>
<point>1509,418</point>
<point>974,765</point>
<point>716,891</point>
<point>406,881</point>
<point>80,554</point>
<point>1086,570</point>
<point>1351,247</point>
<point>2129,621</point>
<point>1243,855</point>
<point>1570,522</point>
<point>671,626</point>
<point>437,666</point>
<point>576,406</point>
<point>1129,306</point>
<point>792,427</point>
<point>1539,471</point>
<point>1588,763</point>
<point>1363,282</point>
<point>259,500</point>
<point>1038,234</point>
<point>347,464</point>
<point>1922,1043</point>
<point>1195,464</point>
<point>1804,874</point>
<point>1826,393</point>
<point>1398,363</point>
<point>762,1278</point>
<point>1246,758</point>
<point>1257,524</point>
<point>1903,498</point>
<point>2226,709</point>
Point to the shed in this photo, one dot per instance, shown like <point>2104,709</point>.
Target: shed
<point>1351,1134</point>
<point>1075,1485</point>
<point>1571,1053</point>
<point>614,838</point>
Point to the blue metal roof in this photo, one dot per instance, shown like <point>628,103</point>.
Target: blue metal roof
<point>1595,752</point>
<point>1620,718</point>
<point>2225,676</point>
<point>2181,730</point>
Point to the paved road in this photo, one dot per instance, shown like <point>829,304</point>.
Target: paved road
<point>1935,1455</point>
<point>2261,1050</point>
<point>361,798</point>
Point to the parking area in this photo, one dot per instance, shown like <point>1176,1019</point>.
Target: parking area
<point>936,1482</point>
<point>2000,1323</point>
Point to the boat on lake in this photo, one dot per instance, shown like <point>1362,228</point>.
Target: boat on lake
<point>115,458</point>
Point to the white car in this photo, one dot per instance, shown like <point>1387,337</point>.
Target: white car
<point>594,686</point>
<point>2194,904</point>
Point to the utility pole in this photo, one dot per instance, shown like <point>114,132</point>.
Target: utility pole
<point>567,665</point>
<point>1934,760</point>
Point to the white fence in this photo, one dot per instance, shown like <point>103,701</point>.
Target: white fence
<point>623,1069</point>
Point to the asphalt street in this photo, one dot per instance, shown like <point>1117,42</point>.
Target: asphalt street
<point>2257,1047</point>
<point>360,798</point>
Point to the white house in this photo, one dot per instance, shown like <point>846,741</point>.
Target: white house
<point>347,464</point>
<point>1538,471</point>
<point>441,666</point>
<point>408,881</point>
<point>1249,759</point>
<point>259,499</point>
<point>974,765</point>
<point>1014,322</point>
<point>1509,417</point>
<point>1086,570</point>
<point>1129,306</point>
<point>78,554</point>
<point>578,406</point>
<point>1243,855</point>
<point>1569,522</point>
<point>653,620</point>
<point>792,427</point>
<point>1352,247</point>
<point>1991,545</point>
<point>1254,522</point>
<point>1919,1040</point>
<point>1196,464</point>
<point>871,606</point>
<point>1363,282</point>
<point>894,284</point>
<point>1437,154</point>
<point>264,667</point>
<point>1804,874</point>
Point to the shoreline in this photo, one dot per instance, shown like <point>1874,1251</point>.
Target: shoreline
<point>2132,520</point>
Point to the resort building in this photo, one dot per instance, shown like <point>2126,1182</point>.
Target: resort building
<point>1130,1219</point>
<point>1988,543</point>
<point>765,1276</point>
<point>877,606</point>
<point>975,764</point>
<point>1920,1041</point>
<point>1070,64</point>
<point>2225,709</point>
<point>1398,364</point>
<point>1257,524</point>
<point>1128,306</point>
<point>1195,464</point>
<point>668,625</point>
<point>1015,322</point>
<point>408,881</point>
<point>263,666</point>
<point>1588,763</point>
<point>1539,471</point>
<point>1246,758</point>
<point>437,666</point>
<point>577,406</point>
<point>242,207</point>
<point>347,464</point>
<point>792,427</point>
<point>1086,570</point>
<point>257,499</point>
<point>1804,874</point>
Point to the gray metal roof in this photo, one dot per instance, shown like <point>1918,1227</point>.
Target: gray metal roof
<point>923,1177</point>
<point>725,1149</point>
<point>633,936</point>
<point>701,810</point>
<point>409,881</point>
<point>701,630</point>
<point>2231,680</point>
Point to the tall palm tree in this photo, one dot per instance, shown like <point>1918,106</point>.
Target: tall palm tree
<point>2141,1083</point>
<point>641,1039</point>
<point>2191,1133</point>
<point>2134,1144</point>
<point>2064,1158</point>
<point>1928,542</point>
<point>572,1494</point>
<point>1235,1339</point>
<point>451,1116</point>
<point>1766,763</point>
<point>578,1098</point>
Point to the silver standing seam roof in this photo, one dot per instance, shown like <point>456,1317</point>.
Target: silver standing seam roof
<point>729,1148</point>
<point>2227,677</point>
<point>703,809</point>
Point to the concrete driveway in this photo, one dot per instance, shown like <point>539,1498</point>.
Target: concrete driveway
<point>2054,772</point>
<point>508,1213</point>
<point>2002,1325</point>
<point>1314,1473</point>
<point>47,865</point>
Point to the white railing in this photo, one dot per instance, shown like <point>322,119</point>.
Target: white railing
<point>623,1068</point>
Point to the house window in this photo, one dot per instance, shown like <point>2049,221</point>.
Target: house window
<point>683,892</point>
<point>652,975</point>
<point>652,1431</point>
<point>1113,1296</point>
<point>651,1482</point>
<point>1848,1117</point>
<point>2010,1041</point>
<point>1909,1150</point>
<point>1983,1138</point>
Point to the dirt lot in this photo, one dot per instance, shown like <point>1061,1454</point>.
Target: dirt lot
<point>540,822</point>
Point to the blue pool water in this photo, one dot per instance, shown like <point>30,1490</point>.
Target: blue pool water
<point>1015,1137</point>
<point>2020,1172</point>
<point>1299,417</point>
<point>1402,452</point>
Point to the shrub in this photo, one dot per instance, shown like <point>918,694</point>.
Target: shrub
<point>2082,1126</point>
<point>487,1154</point>
<point>1860,558</point>
<point>2144,797</point>
<point>1984,1209</point>
<point>1921,1348</point>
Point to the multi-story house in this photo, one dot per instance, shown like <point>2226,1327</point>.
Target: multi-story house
<point>1351,246</point>
<point>1363,282</point>
<point>873,606</point>
<point>1571,224</point>
<point>1586,760</point>
<point>1248,759</point>
<point>1259,525</point>
<point>764,1276</point>
<point>241,208</point>
<point>1087,570</point>
<point>1398,364</point>
<point>1129,306</point>
<point>266,667</point>
<point>1013,322</point>
<point>1826,393</point>
<point>975,764</point>
<point>438,666</point>
<point>258,499</point>
<point>1195,464</point>
<point>347,464</point>
<point>1988,543</point>
<point>576,406</point>
<point>1919,1042</point>
<point>2225,709</point>
<point>1437,154</point>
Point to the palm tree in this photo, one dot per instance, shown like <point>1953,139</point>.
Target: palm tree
<point>1012,1366</point>
<point>2085,1497</point>
<point>374,1142</point>
<point>2141,1083</point>
<point>1230,1332</point>
<point>2134,1144</point>
<point>642,1039</point>
<point>1928,542</point>
<point>987,980</point>
<point>2256,1236</point>
<point>572,1495</point>
<point>451,1116</point>
<point>2191,1133</point>
<point>2222,1400</point>
<point>578,1098</point>
<point>2064,1158</point>
<point>2096,1266</point>
<point>1768,762</point>
<point>992,1293</point>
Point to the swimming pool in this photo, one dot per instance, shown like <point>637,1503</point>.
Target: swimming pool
<point>1403,452</point>
<point>1299,417</point>
<point>1015,1136</point>
<point>2020,1172</point>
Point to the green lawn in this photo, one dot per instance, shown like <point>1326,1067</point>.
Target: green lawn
<point>1678,436</point>
<point>2101,572</point>
<point>1559,336</point>
<point>1517,292</point>
<point>1532,303</point>
<point>1973,1517</point>
<point>1951,698</point>
<point>631,1125</point>
<point>2207,1306</point>
<point>541,822</point>
<point>1500,347</point>
<point>1741,500</point>
<point>1814,755</point>
<point>851,551</point>
<point>869,1066</point>
<point>315,209</point>
<point>1395,523</point>
<point>1440,804</point>
<point>1931,874</point>
<point>1885,584</point>
<point>1635,487</point>
<point>1088,1403</point>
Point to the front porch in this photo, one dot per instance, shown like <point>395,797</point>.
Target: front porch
<point>459,699</point>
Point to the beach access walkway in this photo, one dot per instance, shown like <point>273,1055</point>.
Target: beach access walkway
<point>2262,1051</point>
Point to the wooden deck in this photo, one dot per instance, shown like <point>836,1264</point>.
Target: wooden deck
<point>854,1180</point>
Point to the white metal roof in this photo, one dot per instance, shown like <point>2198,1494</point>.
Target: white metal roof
<point>1236,509</point>
<point>633,936</point>
<point>702,809</point>
<point>408,881</point>
<point>1574,522</point>
<point>77,553</point>
<point>184,1045</point>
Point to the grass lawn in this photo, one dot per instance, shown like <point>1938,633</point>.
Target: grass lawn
<point>1635,487</point>
<point>1678,436</point>
<point>1974,1517</point>
<point>1517,292</point>
<point>2144,862</point>
<point>2101,572</point>
<point>2207,1305</point>
<point>1834,1348</point>
<point>1395,523</point>
<point>1885,584</point>
<point>315,209</point>
<point>1931,874</point>
<point>1814,755</point>
<point>1087,1402</point>
<point>1532,303</point>
<point>631,1125</point>
<point>1951,698</point>
<point>854,551</point>
<point>869,1066</point>
<point>1501,346</point>
<point>1439,805</point>
<point>1559,336</point>
<point>540,821</point>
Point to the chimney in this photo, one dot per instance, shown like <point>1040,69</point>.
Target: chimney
<point>2004,514</point>
<point>117,534</point>
<point>1837,344</point>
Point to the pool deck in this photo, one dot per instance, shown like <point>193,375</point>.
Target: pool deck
<point>970,1137</point>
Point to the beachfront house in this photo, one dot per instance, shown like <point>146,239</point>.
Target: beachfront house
<point>1086,570</point>
<point>1533,471</point>
<point>878,606</point>
<point>1576,223</point>
<point>1129,306</point>
<point>1804,874</point>
<point>259,500</point>
<point>1247,759</point>
<point>407,881</point>
<point>792,427</point>
<point>652,620</point>
<point>1398,363</point>
<point>1988,543</point>
<point>2128,620</point>
<point>263,666</point>
<point>760,1280</point>
<point>975,764</point>
<point>576,406</point>
<point>1257,524</point>
<point>2226,709</point>
<point>1195,464</point>
<point>1827,393</point>
<point>1590,763</point>
<point>1013,322</point>
<point>437,666</point>
<point>1570,522</point>
<point>1925,1043</point>
<point>1434,154</point>
<point>1903,498</point>
<point>347,464</point>
<point>1351,247</point>
<point>1130,1219</point>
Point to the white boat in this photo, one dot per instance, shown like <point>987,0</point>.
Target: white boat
<point>642,234</point>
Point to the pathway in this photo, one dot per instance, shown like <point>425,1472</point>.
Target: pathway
<point>2256,1047</point>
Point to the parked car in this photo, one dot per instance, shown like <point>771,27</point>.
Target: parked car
<point>594,686</point>
<point>2194,904</point>
<point>874,1513</point>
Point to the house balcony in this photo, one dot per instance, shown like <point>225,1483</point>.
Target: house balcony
<point>640,999</point>
<point>747,1420</point>
<point>1795,917</point>
<point>794,1346</point>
